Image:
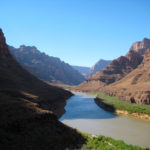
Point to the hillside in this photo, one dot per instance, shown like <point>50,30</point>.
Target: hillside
<point>100,65</point>
<point>82,70</point>
<point>46,67</point>
<point>115,71</point>
<point>118,71</point>
<point>88,72</point>
<point>27,108</point>
<point>118,68</point>
<point>134,87</point>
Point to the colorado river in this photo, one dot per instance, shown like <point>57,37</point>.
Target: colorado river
<point>83,114</point>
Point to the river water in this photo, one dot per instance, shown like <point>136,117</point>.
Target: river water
<point>83,114</point>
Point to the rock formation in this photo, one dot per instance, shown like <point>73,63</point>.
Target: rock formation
<point>100,65</point>
<point>118,68</point>
<point>88,72</point>
<point>46,67</point>
<point>83,70</point>
<point>27,108</point>
<point>115,71</point>
<point>140,47</point>
<point>114,78</point>
<point>135,86</point>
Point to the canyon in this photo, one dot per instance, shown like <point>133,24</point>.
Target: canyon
<point>126,77</point>
<point>89,71</point>
<point>46,67</point>
<point>30,109</point>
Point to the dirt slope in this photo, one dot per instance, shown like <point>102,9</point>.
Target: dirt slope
<point>27,107</point>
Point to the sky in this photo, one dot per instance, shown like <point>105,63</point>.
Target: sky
<point>79,32</point>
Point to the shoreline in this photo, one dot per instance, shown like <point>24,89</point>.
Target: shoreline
<point>96,136</point>
<point>137,115</point>
<point>110,108</point>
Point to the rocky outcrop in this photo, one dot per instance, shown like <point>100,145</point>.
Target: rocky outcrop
<point>46,67</point>
<point>146,56</point>
<point>118,68</point>
<point>100,65</point>
<point>28,109</point>
<point>83,70</point>
<point>140,47</point>
<point>88,72</point>
<point>126,77</point>
<point>134,87</point>
<point>115,71</point>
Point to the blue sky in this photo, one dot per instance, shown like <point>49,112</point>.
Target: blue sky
<point>80,32</point>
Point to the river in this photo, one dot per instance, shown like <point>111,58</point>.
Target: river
<point>83,114</point>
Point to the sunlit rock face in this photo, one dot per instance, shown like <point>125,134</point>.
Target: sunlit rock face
<point>126,77</point>
<point>135,86</point>
<point>100,65</point>
<point>140,47</point>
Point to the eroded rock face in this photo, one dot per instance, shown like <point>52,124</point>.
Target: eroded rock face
<point>134,59</point>
<point>127,77</point>
<point>140,47</point>
<point>118,68</point>
<point>100,65</point>
<point>147,56</point>
<point>46,67</point>
<point>135,86</point>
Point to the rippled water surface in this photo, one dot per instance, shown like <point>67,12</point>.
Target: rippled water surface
<point>82,113</point>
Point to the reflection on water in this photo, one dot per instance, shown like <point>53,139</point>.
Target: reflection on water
<point>82,113</point>
<point>82,106</point>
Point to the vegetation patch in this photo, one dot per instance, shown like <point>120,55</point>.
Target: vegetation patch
<point>106,143</point>
<point>123,105</point>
